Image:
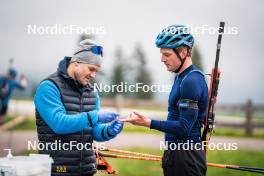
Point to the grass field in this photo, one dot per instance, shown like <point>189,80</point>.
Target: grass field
<point>127,167</point>
<point>28,124</point>
<point>219,131</point>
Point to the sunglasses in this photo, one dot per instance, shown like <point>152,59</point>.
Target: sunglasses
<point>98,50</point>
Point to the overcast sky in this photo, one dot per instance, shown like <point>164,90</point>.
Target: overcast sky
<point>123,23</point>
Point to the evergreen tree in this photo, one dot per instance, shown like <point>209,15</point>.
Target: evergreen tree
<point>142,73</point>
<point>119,69</point>
<point>196,58</point>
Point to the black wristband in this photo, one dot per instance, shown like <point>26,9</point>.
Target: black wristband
<point>102,133</point>
<point>89,119</point>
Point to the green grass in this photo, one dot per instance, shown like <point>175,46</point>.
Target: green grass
<point>127,167</point>
<point>28,124</point>
<point>128,128</point>
<point>238,132</point>
<point>8,118</point>
<point>231,132</point>
<point>243,158</point>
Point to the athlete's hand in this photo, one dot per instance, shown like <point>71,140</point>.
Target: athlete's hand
<point>136,118</point>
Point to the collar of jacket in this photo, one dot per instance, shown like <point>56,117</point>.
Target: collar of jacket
<point>187,70</point>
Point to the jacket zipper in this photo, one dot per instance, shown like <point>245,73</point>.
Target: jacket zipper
<point>81,109</point>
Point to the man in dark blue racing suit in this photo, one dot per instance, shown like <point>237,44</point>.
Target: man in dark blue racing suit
<point>186,106</point>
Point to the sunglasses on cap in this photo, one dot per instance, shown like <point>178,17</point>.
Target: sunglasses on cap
<point>98,50</point>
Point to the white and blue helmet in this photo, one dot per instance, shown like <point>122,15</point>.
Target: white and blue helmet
<point>175,36</point>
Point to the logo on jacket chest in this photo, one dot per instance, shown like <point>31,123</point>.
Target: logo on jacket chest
<point>61,169</point>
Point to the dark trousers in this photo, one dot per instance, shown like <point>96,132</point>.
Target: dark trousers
<point>3,110</point>
<point>184,163</point>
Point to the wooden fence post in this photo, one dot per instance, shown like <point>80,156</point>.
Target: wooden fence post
<point>249,117</point>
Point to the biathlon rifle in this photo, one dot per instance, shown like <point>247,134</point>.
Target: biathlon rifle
<point>209,122</point>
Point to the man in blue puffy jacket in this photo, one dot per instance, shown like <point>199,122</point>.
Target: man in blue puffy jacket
<point>7,84</point>
<point>68,112</point>
<point>186,106</point>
